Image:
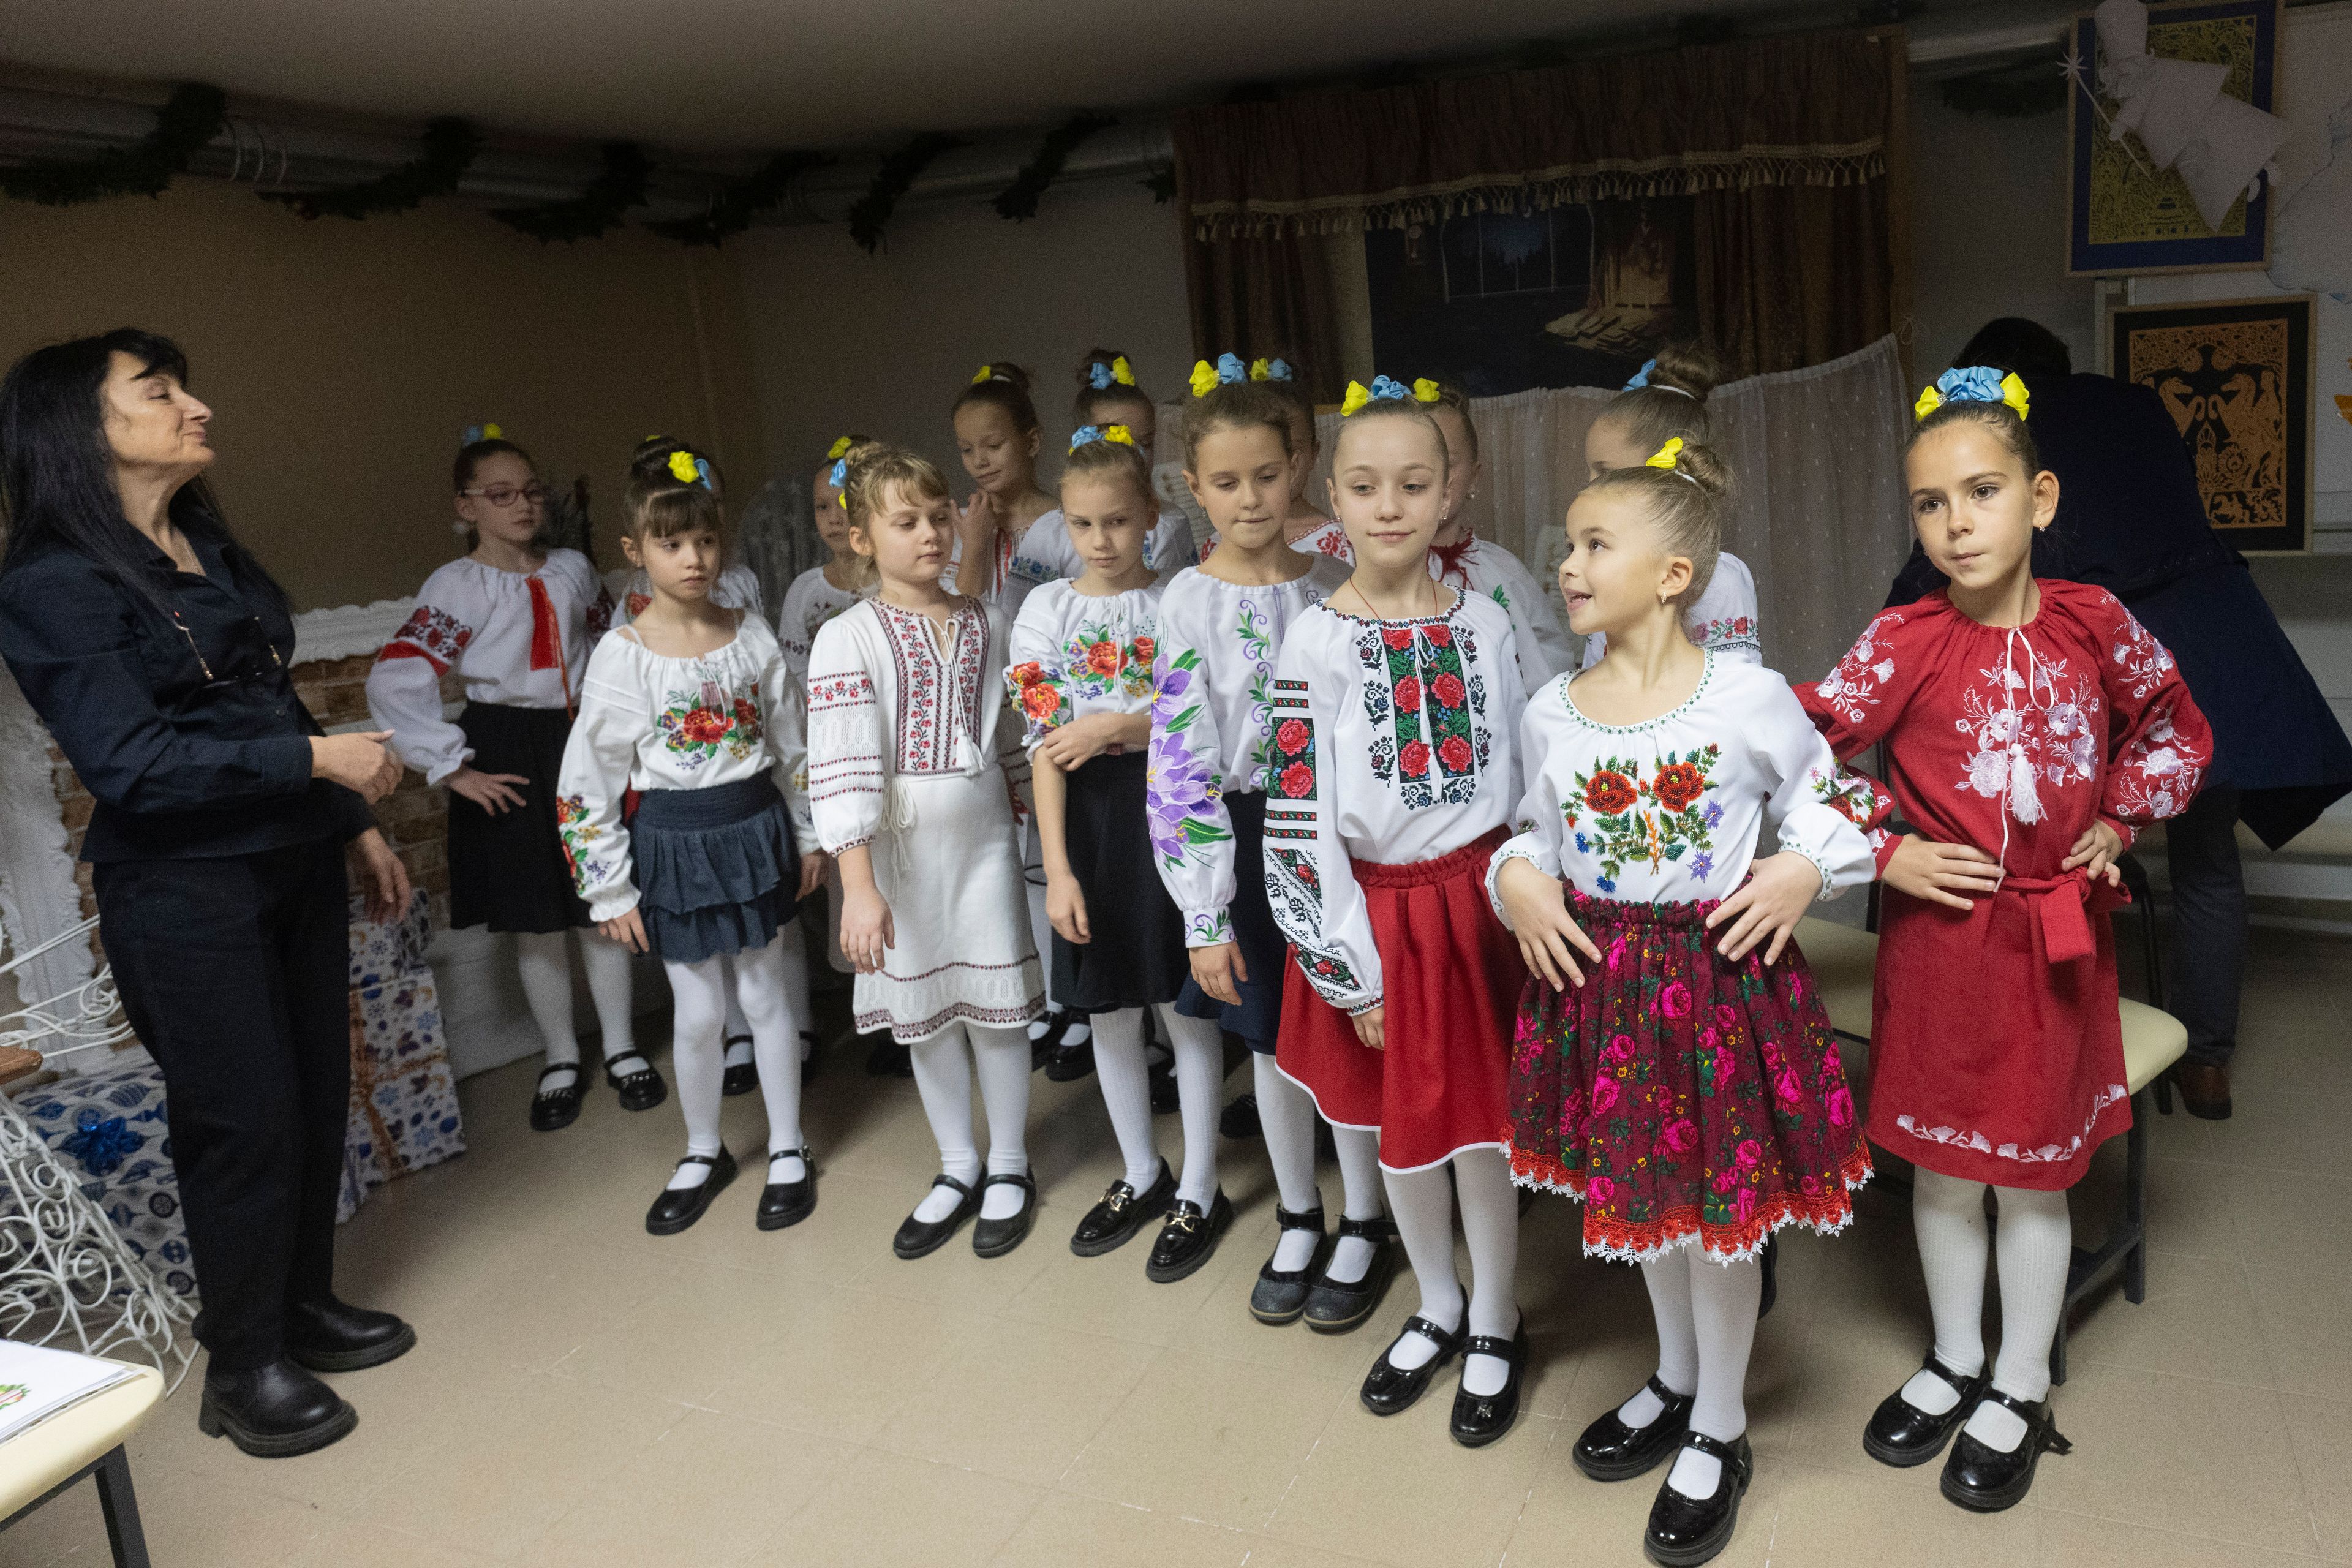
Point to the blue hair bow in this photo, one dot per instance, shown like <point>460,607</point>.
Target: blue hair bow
<point>1084,435</point>
<point>1641,376</point>
<point>839,477</point>
<point>1388,387</point>
<point>1231,369</point>
<point>1972,383</point>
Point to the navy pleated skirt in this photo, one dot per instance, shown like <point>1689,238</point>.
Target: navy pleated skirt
<point>717,872</point>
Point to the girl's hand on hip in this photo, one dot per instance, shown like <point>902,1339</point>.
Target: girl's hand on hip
<point>1778,890</point>
<point>1948,874</point>
<point>1549,938</point>
<point>2096,852</point>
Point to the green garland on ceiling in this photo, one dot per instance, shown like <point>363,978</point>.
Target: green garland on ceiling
<point>1018,201</point>
<point>186,123</point>
<point>870,215</point>
<point>739,201</point>
<point>597,209</point>
<point>450,148</point>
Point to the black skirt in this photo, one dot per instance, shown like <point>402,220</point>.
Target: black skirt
<point>1137,957</point>
<point>1266,951</point>
<point>716,871</point>
<point>509,871</point>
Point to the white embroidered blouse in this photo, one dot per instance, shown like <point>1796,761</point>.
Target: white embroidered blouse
<point>517,639</point>
<point>1485,567</point>
<point>1722,620</point>
<point>648,721</point>
<point>809,603</point>
<point>1392,742</point>
<point>889,698</point>
<point>1212,727</point>
<point>1668,812</point>
<point>1075,654</point>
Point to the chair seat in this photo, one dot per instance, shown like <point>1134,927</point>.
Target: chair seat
<point>38,1458</point>
<point>2153,1041</point>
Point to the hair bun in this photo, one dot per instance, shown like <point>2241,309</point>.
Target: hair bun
<point>1686,368</point>
<point>1704,467</point>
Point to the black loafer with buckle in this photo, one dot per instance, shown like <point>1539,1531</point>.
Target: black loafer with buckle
<point>785,1204</point>
<point>678,1208</point>
<point>1333,1308</point>
<point>1388,1389</point>
<point>641,1088</point>
<point>996,1237</point>
<point>553,1110</point>
<point>1902,1435</point>
<point>1279,1296</point>
<point>1987,1480</point>
<point>922,1237</point>
<point>1480,1418</point>
<point>1609,1450</point>
<point>1112,1222</point>
<point>1189,1240</point>
<point>1685,1531</point>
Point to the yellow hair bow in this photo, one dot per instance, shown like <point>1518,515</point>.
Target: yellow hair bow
<point>1121,372</point>
<point>681,467</point>
<point>838,450</point>
<point>1664,457</point>
<point>1426,390</point>
<point>1261,370</point>
<point>493,432</point>
<point>1204,378</point>
<point>985,372</point>
<point>1121,434</point>
<point>2013,391</point>
<point>1358,396</point>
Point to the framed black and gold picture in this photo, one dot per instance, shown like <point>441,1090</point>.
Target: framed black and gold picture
<point>2236,375</point>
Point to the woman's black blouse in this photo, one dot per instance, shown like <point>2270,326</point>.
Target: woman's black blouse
<point>183,725</point>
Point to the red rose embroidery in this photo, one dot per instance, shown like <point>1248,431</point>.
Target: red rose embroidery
<point>1103,658</point>
<point>1040,702</point>
<point>1447,689</point>
<point>1146,649</point>
<point>1414,759</point>
<point>1609,793</point>
<point>1678,785</point>
<point>1292,737</point>
<point>704,726</point>
<point>746,715</point>
<point>1397,637</point>
<point>1408,695</point>
<point>1438,636</point>
<point>1297,782</point>
<point>637,603</point>
<point>1454,753</point>
<point>1028,674</point>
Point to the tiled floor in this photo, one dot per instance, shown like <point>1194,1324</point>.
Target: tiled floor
<point>585,1393</point>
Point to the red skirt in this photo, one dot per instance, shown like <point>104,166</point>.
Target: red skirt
<point>1680,1096</point>
<point>1450,979</point>
<point>1996,1053</point>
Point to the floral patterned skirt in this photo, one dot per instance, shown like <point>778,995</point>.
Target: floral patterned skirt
<point>1680,1096</point>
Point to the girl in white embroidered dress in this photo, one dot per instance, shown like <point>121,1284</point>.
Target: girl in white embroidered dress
<point>514,620</point>
<point>915,779</point>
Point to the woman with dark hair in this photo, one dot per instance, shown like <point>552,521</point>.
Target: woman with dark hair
<point>156,647</point>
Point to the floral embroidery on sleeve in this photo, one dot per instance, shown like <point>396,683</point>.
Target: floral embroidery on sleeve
<point>430,634</point>
<point>1852,688</point>
<point>579,836</point>
<point>1180,788</point>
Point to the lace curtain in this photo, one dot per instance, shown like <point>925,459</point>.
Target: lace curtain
<point>1817,513</point>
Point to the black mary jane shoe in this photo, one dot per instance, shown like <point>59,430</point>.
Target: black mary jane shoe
<point>1902,1435</point>
<point>1112,1222</point>
<point>553,1110</point>
<point>1685,1531</point>
<point>1279,1296</point>
<point>1073,1059</point>
<point>1984,1479</point>
<point>1388,1389</point>
<point>1046,1033</point>
<point>273,1412</point>
<point>1609,1450</point>
<point>1334,1308</point>
<point>678,1208</point>
<point>1480,1418</point>
<point>1189,1240</point>
<point>996,1237</point>
<point>783,1204</point>
<point>329,1335</point>
<point>740,1078</point>
<point>922,1237</point>
<point>639,1090</point>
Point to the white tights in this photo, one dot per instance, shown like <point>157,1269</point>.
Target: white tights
<point>1285,1117</point>
<point>943,1075</point>
<point>1423,1202</point>
<point>2035,1242</point>
<point>700,993</point>
<point>793,944</point>
<point>544,962</point>
<point>1127,1094</point>
<point>1706,1326</point>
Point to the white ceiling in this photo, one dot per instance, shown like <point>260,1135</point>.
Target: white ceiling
<point>750,74</point>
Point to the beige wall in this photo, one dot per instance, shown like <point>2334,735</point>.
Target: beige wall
<point>881,344</point>
<point>342,360</point>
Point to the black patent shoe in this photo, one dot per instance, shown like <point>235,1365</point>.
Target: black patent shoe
<point>1279,1296</point>
<point>639,1090</point>
<point>1480,1418</point>
<point>678,1208</point>
<point>1239,1118</point>
<point>1686,1531</point>
<point>553,1110</point>
<point>996,1237</point>
<point>1073,1059</point>
<point>922,1237</point>
<point>1609,1450</point>
<point>1189,1240</point>
<point>787,1203</point>
<point>1112,1222</point>
<point>1388,1389</point>
<point>273,1412</point>
<point>1045,1034</point>
<point>1333,1308</point>
<point>334,1336</point>
<point>1902,1435</point>
<point>1986,1480</point>
<point>740,1078</point>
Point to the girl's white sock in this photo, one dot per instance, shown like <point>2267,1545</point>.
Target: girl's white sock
<point>607,965</point>
<point>1948,1215</point>
<point>764,992</point>
<point>1003,1060</point>
<point>1669,1281</point>
<point>1723,1298</point>
<point>1359,1179</point>
<point>943,1078</point>
<point>1490,1228</point>
<point>2035,1245</point>
<point>1200,1050</point>
<point>1127,1093</point>
<point>698,1011</point>
<point>544,959</point>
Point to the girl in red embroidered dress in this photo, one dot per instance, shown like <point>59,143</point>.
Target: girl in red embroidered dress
<point>2032,727</point>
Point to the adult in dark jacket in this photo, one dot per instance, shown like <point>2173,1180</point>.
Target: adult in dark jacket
<point>156,647</point>
<point>2132,521</point>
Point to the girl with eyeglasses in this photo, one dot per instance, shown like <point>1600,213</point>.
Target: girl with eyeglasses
<point>514,619</point>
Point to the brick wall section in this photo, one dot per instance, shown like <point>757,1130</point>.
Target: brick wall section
<point>414,817</point>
